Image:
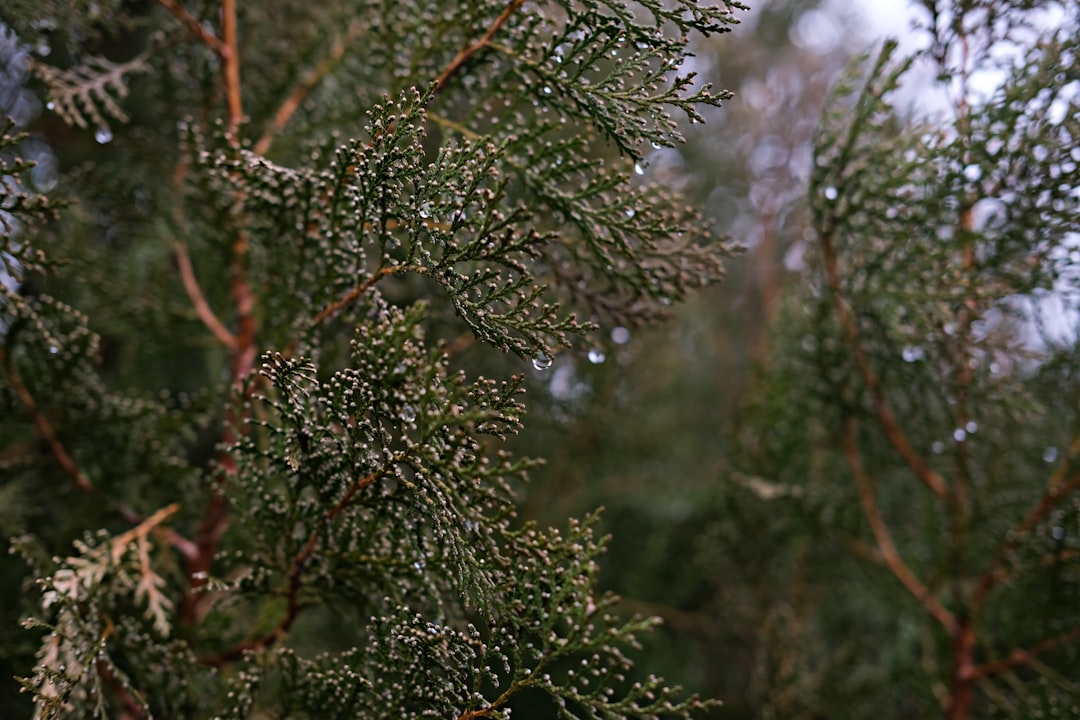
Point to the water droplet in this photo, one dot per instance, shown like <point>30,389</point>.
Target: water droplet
<point>620,335</point>
<point>547,90</point>
<point>638,169</point>
<point>938,447</point>
<point>103,135</point>
<point>1057,532</point>
<point>542,362</point>
<point>1050,454</point>
<point>973,172</point>
<point>913,353</point>
<point>408,414</point>
<point>831,193</point>
<point>971,426</point>
<point>656,145</point>
<point>630,212</point>
<point>53,349</point>
<point>50,105</point>
<point>597,356</point>
<point>959,435</point>
<point>419,565</point>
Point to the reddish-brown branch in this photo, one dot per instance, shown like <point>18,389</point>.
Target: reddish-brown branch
<point>884,541</point>
<point>230,57</point>
<point>995,573</point>
<point>292,593</point>
<point>1023,656</point>
<point>44,428</point>
<point>896,436</point>
<point>181,544</point>
<point>307,84</point>
<point>340,304</point>
<point>133,709</point>
<point>463,57</point>
<point>962,692</point>
<point>202,307</point>
<point>193,25</point>
<point>216,518</point>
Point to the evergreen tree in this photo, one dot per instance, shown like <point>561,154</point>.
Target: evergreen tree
<point>912,446</point>
<point>242,455</point>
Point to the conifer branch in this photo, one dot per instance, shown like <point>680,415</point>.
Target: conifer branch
<point>202,307</point>
<point>466,53</point>
<point>230,56</point>
<point>292,594</point>
<point>44,428</point>
<point>310,81</point>
<point>895,434</point>
<point>338,305</point>
<point>884,540</point>
<point>989,579</point>
<point>208,38</point>
<point>133,709</point>
<point>1023,656</point>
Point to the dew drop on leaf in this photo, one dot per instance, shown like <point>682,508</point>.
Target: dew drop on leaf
<point>542,362</point>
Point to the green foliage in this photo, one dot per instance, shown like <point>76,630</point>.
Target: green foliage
<point>235,383</point>
<point>920,404</point>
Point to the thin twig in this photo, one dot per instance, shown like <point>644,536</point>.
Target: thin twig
<point>44,428</point>
<point>885,416</point>
<point>313,77</point>
<point>338,305</point>
<point>994,573</point>
<point>463,57</point>
<point>884,540</point>
<point>185,547</point>
<point>202,307</point>
<point>296,571</point>
<point>193,25</point>
<point>1024,656</point>
<point>133,709</point>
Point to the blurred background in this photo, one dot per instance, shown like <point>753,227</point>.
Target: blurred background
<point>646,424</point>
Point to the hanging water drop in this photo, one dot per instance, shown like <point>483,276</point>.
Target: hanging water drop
<point>408,414</point>
<point>103,135</point>
<point>542,362</point>
<point>638,169</point>
<point>620,335</point>
<point>913,353</point>
<point>597,356</point>
<point>1050,454</point>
